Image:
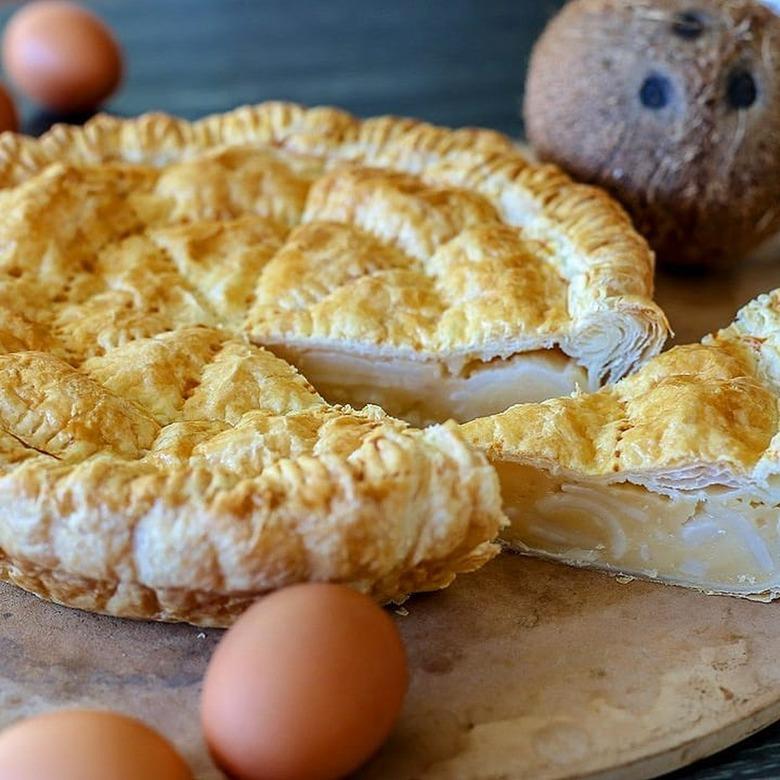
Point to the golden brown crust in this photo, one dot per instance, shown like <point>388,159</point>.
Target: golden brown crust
<point>672,474</point>
<point>450,199</point>
<point>218,471</point>
<point>154,462</point>
<point>697,415</point>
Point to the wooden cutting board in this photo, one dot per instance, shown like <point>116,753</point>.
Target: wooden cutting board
<point>523,670</point>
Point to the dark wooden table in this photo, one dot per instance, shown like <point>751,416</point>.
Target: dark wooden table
<point>459,62</point>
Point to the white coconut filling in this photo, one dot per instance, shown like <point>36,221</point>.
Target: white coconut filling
<point>718,540</point>
<point>425,392</point>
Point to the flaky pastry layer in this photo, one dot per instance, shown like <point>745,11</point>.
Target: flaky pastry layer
<point>671,474</point>
<point>183,474</point>
<point>397,237</point>
<point>156,461</point>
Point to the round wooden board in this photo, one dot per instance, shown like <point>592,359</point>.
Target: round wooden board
<point>523,670</point>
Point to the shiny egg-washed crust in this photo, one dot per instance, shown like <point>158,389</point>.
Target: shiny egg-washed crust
<point>157,462</point>
<point>697,416</point>
<point>418,225</point>
<point>177,477</point>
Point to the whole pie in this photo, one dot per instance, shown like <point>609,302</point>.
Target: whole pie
<point>186,309</point>
<point>672,474</point>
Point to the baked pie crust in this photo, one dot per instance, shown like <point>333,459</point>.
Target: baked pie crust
<point>443,260</point>
<point>159,456</point>
<point>672,474</point>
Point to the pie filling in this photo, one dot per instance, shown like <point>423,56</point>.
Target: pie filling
<point>719,540</point>
<point>426,392</point>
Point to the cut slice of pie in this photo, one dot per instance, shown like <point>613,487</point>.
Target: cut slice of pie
<point>157,461</point>
<point>672,474</point>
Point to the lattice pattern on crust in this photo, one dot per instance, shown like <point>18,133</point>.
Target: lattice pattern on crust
<point>150,450</point>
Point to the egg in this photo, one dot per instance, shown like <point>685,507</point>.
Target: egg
<point>61,55</point>
<point>87,745</point>
<point>9,118</point>
<point>306,685</point>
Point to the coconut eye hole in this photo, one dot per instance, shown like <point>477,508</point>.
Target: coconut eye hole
<point>655,92</point>
<point>741,90</point>
<point>688,25</point>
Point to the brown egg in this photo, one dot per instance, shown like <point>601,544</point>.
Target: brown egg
<point>61,55</point>
<point>9,118</point>
<point>87,745</point>
<point>305,686</point>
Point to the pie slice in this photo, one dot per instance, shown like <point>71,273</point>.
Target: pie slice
<point>161,459</point>
<point>672,474</point>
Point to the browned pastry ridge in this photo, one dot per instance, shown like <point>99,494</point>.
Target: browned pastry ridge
<point>672,474</point>
<point>157,461</point>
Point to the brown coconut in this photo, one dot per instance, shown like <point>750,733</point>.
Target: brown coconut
<point>674,106</point>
